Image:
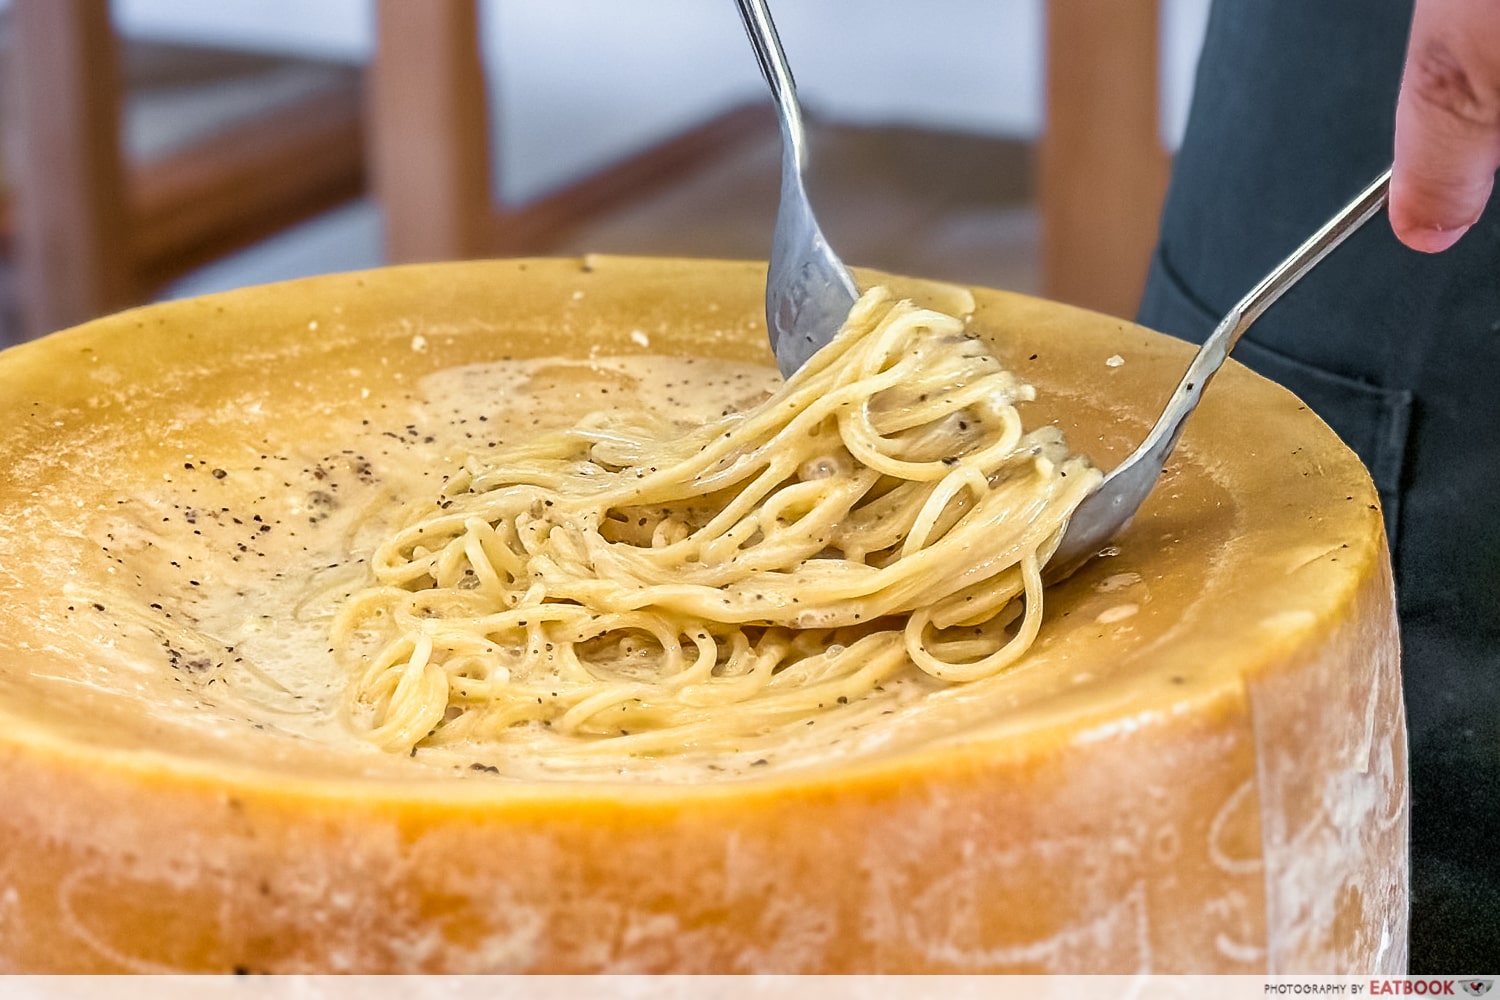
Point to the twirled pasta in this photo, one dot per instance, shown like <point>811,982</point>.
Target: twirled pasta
<point>645,588</point>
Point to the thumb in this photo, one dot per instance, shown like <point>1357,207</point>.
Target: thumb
<point>1447,122</point>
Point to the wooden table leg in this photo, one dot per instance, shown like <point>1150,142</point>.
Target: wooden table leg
<point>1103,169</point>
<point>71,213</point>
<point>429,128</point>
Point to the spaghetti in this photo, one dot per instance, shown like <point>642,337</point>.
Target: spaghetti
<point>640,587</point>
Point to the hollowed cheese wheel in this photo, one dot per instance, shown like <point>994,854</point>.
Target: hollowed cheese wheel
<point>1199,767</point>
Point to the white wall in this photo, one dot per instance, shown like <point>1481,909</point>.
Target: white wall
<point>1182,26</point>
<point>329,29</point>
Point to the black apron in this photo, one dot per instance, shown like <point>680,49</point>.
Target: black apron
<point>1400,353</point>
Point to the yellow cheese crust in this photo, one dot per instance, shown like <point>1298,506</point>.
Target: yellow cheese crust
<point>1201,766</point>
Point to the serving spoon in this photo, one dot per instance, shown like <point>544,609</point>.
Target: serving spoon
<point>1108,509</point>
<point>809,291</point>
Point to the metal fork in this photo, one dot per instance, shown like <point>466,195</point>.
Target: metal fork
<point>808,289</point>
<point>1109,508</point>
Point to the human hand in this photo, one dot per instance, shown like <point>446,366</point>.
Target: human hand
<point>1447,122</point>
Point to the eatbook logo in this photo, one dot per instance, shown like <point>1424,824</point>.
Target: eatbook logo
<point>1477,987</point>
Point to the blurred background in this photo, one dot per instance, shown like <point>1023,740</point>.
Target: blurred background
<point>162,148</point>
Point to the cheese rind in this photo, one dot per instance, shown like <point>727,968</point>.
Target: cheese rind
<point>1213,781</point>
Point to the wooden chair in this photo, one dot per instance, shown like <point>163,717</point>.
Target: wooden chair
<point>1103,170</point>
<point>92,232</point>
<point>430,151</point>
<point>95,235</point>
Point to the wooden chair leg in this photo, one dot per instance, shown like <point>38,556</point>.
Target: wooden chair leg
<point>1103,170</point>
<point>71,213</point>
<point>429,130</point>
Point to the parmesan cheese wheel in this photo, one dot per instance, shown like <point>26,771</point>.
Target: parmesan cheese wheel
<point>1199,767</point>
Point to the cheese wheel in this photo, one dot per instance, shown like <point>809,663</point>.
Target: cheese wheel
<point>1199,767</point>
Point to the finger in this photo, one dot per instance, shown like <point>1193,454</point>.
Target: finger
<point>1447,122</point>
